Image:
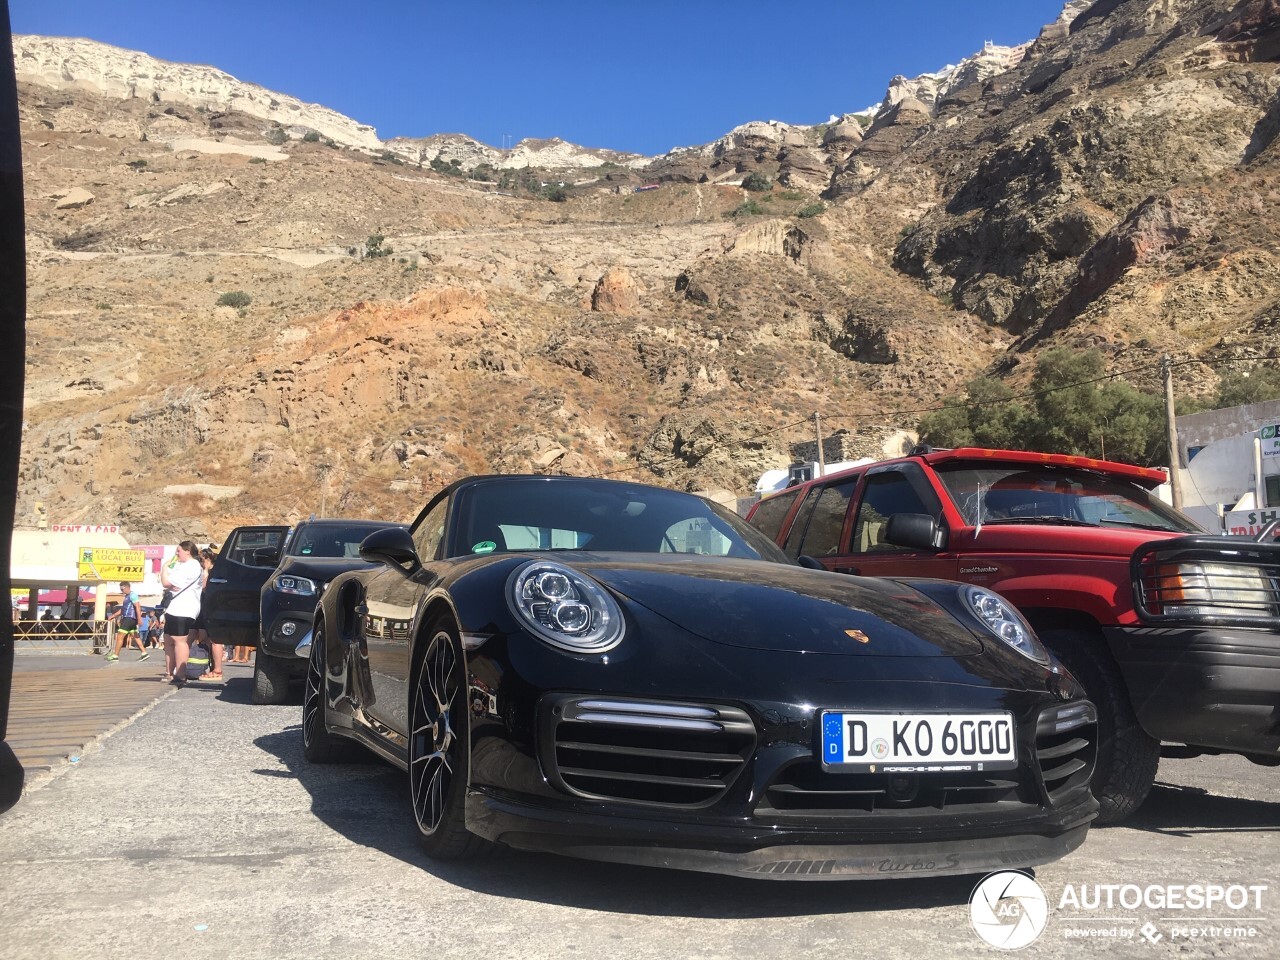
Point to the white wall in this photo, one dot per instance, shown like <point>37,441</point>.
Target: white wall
<point>1225,468</point>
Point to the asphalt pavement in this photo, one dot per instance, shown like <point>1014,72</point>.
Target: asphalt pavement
<point>197,829</point>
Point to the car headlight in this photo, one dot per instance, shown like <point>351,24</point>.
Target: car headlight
<point>1200,589</point>
<point>564,608</point>
<point>999,616</point>
<point>299,586</point>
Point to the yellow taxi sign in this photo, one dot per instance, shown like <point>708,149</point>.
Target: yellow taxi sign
<point>111,563</point>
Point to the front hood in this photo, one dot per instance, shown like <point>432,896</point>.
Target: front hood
<point>774,606</point>
<point>319,569</point>
<point>1042,538</point>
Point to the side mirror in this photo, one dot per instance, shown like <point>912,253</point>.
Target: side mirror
<point>266,556</point>
<point>918,530</point>
<point>809,563</point>
<point>393,546</point>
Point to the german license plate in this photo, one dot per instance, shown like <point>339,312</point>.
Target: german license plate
<point>917,742</point>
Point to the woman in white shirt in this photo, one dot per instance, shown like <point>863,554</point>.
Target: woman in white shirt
<point>184,578</point>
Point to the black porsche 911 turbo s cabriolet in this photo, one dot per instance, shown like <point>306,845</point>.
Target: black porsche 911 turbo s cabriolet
<point>622,672</point>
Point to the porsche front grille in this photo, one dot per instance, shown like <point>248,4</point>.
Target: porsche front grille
<point>1066,747</point>
<point>652,752</point>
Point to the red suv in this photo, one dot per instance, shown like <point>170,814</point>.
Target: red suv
<point>1174,633</point>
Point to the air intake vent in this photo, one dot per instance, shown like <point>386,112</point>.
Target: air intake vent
<point>671,753</point>
<point>1066,748</point>
<point>805,790</point>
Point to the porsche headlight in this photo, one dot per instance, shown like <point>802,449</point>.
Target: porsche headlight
<point>299,586</point>
<point>565,608</point>
<point>999,616</point>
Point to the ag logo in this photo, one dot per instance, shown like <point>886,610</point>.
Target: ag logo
<point>1008,910</point>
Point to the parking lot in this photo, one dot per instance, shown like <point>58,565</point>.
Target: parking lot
<point>198,830</point>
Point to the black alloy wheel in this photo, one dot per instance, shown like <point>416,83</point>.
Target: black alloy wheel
<point>318,744</point>
<point>438,748</point>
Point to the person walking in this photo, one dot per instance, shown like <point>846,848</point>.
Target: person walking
<point>153,629</point>
<point>199,629</point>
<point>126,620</point>
<point>183,576</point>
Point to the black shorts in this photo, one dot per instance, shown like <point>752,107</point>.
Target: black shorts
<point>178,626</point>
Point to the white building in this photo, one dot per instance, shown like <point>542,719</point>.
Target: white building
<point>1229,467</point>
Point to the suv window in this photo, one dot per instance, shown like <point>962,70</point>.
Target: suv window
<point>800,523</point>
<point>1015,494</point>
<point>771,511</point>
<point>244,543</point>
<point>330,541</point>
<point>826,523</point>
<point>885,494</point>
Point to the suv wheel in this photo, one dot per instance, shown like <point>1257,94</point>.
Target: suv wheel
<point>1127,754</point>
<point>270,679</point>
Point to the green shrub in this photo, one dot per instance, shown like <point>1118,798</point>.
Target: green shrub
<point>748,208</point>
<point>390,157</point>
<point>104,305</point>
<point>136,164</point>
<point>373,246</point>
<point>311,137</point>
<point>811,210</point>
<point>276,136</point>
<point>756,182</point>
<point>791,195</point>
<point>235,298</point>
<point>257,159</point>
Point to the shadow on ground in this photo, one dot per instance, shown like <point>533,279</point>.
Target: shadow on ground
<point>368,803</point>
<point>1189,811</point>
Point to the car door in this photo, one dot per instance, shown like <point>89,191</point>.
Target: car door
<point>389,621</point>
<point>886,491</point>
<point>232,596</point>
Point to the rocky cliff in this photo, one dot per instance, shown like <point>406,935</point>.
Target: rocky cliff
<point>332,320</point>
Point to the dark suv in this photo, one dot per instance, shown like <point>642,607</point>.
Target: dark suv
<point>1174,633</point>
<point>264,588</point>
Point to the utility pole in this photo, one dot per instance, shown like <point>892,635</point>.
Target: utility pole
<point>1171,429</point>
<point>817,430</point>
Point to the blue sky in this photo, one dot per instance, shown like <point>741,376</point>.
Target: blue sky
<point>637,77</point>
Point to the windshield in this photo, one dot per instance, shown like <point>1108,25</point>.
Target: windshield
<point>331,540</point>
<point>1016,494</point>
<point>523,513</point>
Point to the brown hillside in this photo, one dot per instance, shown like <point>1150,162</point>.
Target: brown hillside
<point>1118,188</point>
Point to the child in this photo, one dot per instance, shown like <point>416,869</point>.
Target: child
<point>126,620</point>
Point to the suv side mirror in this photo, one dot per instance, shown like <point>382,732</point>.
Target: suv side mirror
<point>918,530</point>
<point>392,545</point>
<point>266,556</point>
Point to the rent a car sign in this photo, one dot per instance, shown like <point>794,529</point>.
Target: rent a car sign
<point>110,563</point>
